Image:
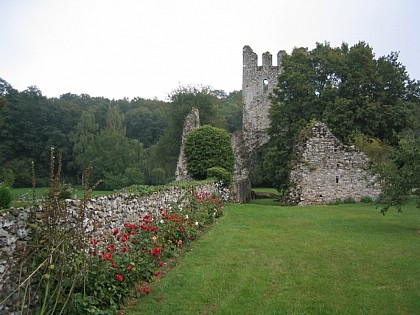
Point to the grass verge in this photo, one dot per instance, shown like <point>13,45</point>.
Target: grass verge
<point>345,259</point>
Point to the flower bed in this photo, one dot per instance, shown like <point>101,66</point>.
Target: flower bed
<point>136,254</point>
<point>65,270</point>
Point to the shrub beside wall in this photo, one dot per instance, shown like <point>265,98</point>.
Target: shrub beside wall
<point>102,216</point>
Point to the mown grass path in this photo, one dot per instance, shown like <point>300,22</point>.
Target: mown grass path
<point>345,259</point>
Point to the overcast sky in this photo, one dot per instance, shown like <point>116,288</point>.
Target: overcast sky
<point>146,48</point>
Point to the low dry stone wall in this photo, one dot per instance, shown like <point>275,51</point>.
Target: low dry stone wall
<point>102,215</point>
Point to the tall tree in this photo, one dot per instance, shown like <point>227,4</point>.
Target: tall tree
<point>165,152</point>
<point>231,110</point>
<point>115,121</point>
<point>400,175</point>
<point>345,87</point>
<point>145,125</point>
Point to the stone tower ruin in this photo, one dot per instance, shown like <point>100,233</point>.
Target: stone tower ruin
<point>326,169</point>
<point>257,84</point>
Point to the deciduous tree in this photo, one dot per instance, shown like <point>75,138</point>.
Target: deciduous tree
<point>345,87</point>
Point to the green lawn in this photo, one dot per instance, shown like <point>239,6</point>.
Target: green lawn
<point>266,190</point>
<point>257,259</point>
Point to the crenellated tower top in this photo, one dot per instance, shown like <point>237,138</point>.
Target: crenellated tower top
<point>257,84</point>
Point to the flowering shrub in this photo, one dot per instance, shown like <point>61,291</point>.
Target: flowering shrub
<point>204,207</point>
<point>136,254</point>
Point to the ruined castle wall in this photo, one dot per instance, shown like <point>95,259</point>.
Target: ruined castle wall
<point>326,170</point>
<point>257,84</point>
<point>192,121</point>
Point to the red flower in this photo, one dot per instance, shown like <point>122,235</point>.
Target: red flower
<point>140,290</point>
<point>146,290</point>
<point>156,273</point>
<point>130,268</point>
<point>119,277</point>
<point>161,264</point>
<point>179,242</point>
<point>116,231</point>
<point>113,265</point>
<point>93,242</point>
<point>155,252</point>
<point>124,249</point>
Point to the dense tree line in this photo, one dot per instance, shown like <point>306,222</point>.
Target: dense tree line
<point>350,90</point>
<point>367,101</point>
<point>129,141</point>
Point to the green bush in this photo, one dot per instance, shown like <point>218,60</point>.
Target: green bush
<point>208,147</point>
<point>337,201</point>
<point>366,199</point>
<point>220,174</point>
<point>157,176</point>
<point>9,177</point>
<point>5,197</point>
<point>349,200</point>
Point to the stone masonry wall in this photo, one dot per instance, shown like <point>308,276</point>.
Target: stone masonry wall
<point>257,84</point>
<point>326,170</point>
<point>192,121</point>
<point>103,214</point>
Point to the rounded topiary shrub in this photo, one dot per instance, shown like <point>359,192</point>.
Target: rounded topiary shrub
<point>208,147</point>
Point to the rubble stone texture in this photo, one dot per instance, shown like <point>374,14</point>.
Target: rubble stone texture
<point>325,170</point>
<point>192,121</point>
<point>103,215</point>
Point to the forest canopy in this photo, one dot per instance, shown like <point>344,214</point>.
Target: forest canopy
<point>129,141</point>
<point>345,87</point>
<point>137,141</point>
